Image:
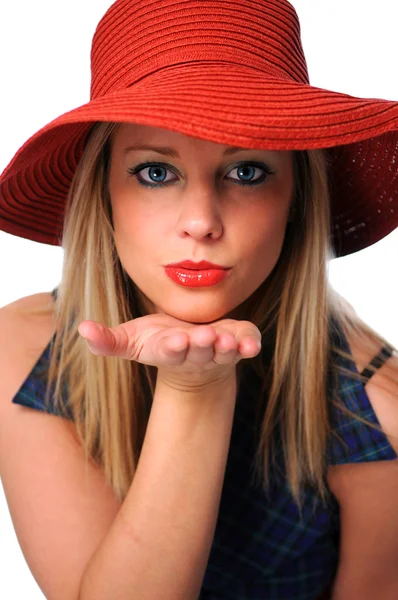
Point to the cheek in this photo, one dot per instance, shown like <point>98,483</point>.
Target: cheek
<point>127,225</point>
<point>134,233</point>
<point>265,228</point>
<point>133,220</point>
<point>264,248</point>
<point>262,236</point>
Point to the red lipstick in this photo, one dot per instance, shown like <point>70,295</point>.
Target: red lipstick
<point>199,274</point>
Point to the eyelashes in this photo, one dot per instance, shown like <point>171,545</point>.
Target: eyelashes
<point>157,174</point>
<point>158,171</point>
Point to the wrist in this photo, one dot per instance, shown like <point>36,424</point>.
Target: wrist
<point>211,388</point>
<point>195,384</point>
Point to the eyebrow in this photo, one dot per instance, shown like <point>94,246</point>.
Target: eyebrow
<point>167,151</point>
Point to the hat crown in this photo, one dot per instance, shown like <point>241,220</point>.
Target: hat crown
<point>138,37</point>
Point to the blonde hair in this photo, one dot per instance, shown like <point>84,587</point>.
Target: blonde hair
<point>109,399</point>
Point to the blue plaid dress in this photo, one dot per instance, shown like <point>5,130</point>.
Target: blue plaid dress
<point>263,548</point>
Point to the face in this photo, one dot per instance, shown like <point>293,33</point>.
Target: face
<point>175,198</point>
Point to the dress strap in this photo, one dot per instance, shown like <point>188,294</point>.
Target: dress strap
<point>356,433</point>
<point>377,362</point>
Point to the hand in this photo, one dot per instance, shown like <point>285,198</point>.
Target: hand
<point>184,353</point>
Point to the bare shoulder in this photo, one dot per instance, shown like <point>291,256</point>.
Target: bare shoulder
<point>27,326</point>
<point>61,504</point>
<point>367,494</point>
<point>29,309</point>
<point>382,391</point>
<point>382,388</point>
<point>29,316</point>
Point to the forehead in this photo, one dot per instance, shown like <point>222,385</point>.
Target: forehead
<point>130,136</point>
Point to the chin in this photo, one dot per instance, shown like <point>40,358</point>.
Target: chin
<point>196,315</point>
<point>196,319</point>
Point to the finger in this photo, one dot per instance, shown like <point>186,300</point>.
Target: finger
<point>104,341</point>
<point>226,349</point>
<point>201,344</point>
<point>249,340</point>
<point>172,349</point>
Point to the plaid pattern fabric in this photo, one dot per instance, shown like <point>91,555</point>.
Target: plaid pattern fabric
<point>263,548</point>
<point>353,441</point>
<point>33,390</point>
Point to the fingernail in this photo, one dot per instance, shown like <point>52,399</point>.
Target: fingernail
<point>81,327</point>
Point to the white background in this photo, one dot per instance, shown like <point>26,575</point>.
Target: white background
<point>44,60</point>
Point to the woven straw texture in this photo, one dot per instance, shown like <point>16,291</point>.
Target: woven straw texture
<point>232,73</point>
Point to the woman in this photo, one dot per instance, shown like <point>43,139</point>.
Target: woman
<point>204,188</point>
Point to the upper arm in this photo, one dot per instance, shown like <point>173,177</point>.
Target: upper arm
<point>60,504</point>
<point>368,557</point>
<point>367,494</point>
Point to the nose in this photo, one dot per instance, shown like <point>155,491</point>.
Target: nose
<point>199,214</point>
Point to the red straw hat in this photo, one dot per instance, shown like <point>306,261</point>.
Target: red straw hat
<point>228,72</point>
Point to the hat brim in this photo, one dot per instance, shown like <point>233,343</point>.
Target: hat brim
<point>231,105</point>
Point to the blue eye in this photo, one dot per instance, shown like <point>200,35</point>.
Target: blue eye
<point>250,173</point>
<point>152,174</point>
<point>155,175</point>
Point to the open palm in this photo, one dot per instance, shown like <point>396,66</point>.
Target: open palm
<point>163,341</point>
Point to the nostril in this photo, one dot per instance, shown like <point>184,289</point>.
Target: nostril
<point>206,226</point>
